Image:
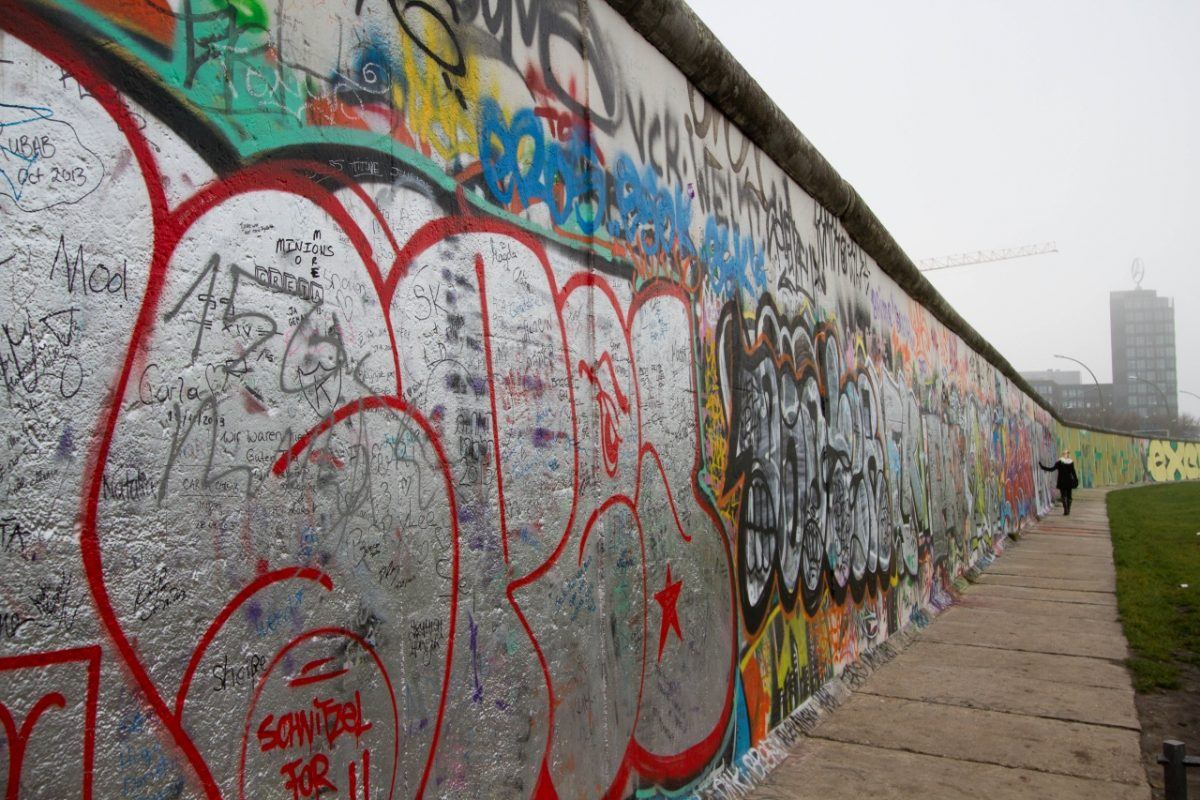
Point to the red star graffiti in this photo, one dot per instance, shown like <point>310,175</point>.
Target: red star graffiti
<point>666,598</point>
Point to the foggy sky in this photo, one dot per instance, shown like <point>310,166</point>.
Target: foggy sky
<point>976,125</point>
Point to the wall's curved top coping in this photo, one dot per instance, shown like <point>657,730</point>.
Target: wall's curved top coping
<point>684,39</point>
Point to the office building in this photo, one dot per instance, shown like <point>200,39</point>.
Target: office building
<point>1142,326</point>
<point>1065,390</point>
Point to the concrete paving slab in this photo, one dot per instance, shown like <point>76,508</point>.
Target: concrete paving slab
<point>1028,635</point>
<point>1057,523</point>
<point>1055,526</point>
<point>1106,625</point>
<point>1088,672</point>
<point>1064,547</point>
<point>1022,555</point>
<point>1049,621</point>
<point>992,737</point>
<point>1086,542</point>
<point>985,586</point>
<point>1081,579</point>
<point>1048,574</point>
<point>993,690</point>
<point>1097,536</point>
<point>769,791</point>
<point>1074,612</point>
<point>821,769</point>
<point>1017,692</point>
<point>1060,567</point>
<point>1067,584</point>
<point>1067,546</point>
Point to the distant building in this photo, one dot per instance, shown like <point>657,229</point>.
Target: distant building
<point>1142,326</point>
<point>1059,377</point>
<point>1143,353</point>
<point>1065,390</point>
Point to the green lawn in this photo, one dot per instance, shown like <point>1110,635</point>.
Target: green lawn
<point>1156,549</point>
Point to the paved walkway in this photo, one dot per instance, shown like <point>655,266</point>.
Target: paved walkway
<point>1019,692</point>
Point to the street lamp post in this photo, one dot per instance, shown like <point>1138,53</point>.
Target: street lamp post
<point>1099,393</point>
<point>1192,394</point>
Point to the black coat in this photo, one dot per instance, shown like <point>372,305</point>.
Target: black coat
<point>1067,479</point>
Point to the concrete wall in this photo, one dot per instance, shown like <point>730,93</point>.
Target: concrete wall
<point>413,398</point>
<point>1109,459</point>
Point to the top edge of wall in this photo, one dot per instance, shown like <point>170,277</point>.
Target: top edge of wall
<point>675,30</point>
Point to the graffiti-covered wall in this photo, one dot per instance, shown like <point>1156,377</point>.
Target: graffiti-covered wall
<point>442,398</point>
<point>1110,459</point>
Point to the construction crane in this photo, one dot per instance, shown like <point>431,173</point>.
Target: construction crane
<point>985,256</point>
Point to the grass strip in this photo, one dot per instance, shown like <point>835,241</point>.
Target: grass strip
<point>1156,547</point>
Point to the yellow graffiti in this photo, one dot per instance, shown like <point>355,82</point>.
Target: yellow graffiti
<point>1173,461</point>
<point>714,418</point>
<point>1110,459</point>
<point>793,629</point>
<point>439,110</point>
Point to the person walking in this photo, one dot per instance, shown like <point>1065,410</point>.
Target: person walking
<point>1067,478</point>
